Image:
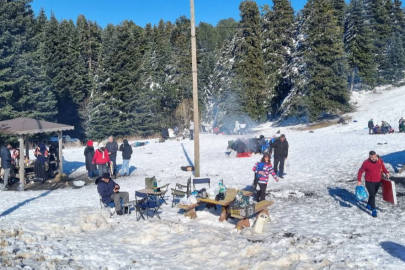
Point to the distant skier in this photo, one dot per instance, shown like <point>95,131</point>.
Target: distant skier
<point>262,171</point>
<point>280,147</point>
<point>370,126</point>
<point>373,167</point>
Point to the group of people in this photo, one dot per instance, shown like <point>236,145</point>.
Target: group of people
<point>264,168</point>
<point>104,159</point>
<point>43,164</point>
<point>376,129</point>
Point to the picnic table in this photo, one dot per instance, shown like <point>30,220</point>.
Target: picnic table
<point>259,207</point>
<point>230,196</point>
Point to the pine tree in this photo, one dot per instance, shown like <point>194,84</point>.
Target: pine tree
<point>101,110</point>
<point>325,61</point>
<point>36,99</point>
<point>278,33</point>
<point>249,66</point>
<point>359,46</point>
<point>379,13</point>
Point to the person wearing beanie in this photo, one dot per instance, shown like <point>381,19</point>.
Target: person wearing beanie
<point>126,150</point>
<point>109,192</point>
<point>101,159</point>
<point>89,155</point>
<point>280,147</point>
<point>262,171</point>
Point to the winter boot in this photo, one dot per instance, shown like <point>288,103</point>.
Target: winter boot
<point>374,213</point>
<point>368,207</point>
<point>119,212</point>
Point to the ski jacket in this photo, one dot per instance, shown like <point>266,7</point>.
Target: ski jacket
<point>105,189</point>
<point>372,169</point>
<point>101,157</point>
<point>370,124</point>
<point>112,147</point>
<point>126,150</point>
<point>5,158</point>
<point>267,169</point>
<point>280,148</point>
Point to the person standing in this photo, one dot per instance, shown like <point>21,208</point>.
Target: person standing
<point>89,155</point>
<point>109,192</point>
<point>262,171</point>
<point>112,148</point>
<point>280,147</point>
<point>191,130</point>
<point>373,168</point>
<point>126,150</point>
<point>101,159</point>
<point>237,127</point>
<point>5,163</point>
<point>370,126</point>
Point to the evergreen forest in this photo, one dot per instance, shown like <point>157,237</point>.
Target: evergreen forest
<point>275,63</point>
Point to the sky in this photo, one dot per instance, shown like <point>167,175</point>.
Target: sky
<point>146,11</point>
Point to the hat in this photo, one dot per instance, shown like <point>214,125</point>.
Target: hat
<point>101,144</point>
<point>90,143</point>
<point>106,175</point>
<point>282,136</point>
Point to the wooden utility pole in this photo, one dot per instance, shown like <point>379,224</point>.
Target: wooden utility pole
<point>195,94</point>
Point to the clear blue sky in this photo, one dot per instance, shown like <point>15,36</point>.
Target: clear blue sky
<point>145,11</point>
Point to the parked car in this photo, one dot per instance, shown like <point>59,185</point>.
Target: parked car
<point>65,139</point>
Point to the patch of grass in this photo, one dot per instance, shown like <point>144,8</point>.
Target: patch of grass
<point>321,124</point>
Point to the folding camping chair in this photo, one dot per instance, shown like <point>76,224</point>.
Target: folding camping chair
<point>181,191</point>
<point>149,182</point>
<point>110,206</point>
<point>164,190</point>
<point>201,180</point>
<point>145,204</point>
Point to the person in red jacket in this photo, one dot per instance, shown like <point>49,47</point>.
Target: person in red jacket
<point>372,167</point>
<point>102,159</point>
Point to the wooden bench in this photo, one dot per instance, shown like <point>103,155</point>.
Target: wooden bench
<point>189,210</point>
<point>260,207</point>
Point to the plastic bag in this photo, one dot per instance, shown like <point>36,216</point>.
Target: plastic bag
<point>361,193</point>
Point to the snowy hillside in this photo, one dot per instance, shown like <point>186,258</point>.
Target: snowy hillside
<point>315,221</point>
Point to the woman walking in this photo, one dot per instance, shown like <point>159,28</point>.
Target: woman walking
<point>263,169</point>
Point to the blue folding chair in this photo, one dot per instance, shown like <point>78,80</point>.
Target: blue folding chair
<point>144,204</point>
<point>110,206</point>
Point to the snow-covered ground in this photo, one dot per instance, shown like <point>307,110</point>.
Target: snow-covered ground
<point>315,221</point>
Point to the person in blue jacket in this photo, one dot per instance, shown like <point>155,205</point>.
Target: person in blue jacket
<point>109,192</point>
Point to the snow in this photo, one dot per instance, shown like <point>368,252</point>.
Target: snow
<point>315,221</point>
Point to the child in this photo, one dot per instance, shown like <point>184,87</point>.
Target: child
<point>262,170</point>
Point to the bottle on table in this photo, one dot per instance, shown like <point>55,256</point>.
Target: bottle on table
<point>154,186</point>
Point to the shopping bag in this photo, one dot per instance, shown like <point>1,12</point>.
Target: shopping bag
<point>361,193</point>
